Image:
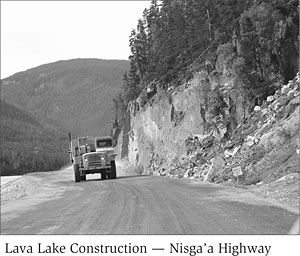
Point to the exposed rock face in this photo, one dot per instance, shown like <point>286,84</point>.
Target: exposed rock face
<point>159,129</point>
<point>177,135</point>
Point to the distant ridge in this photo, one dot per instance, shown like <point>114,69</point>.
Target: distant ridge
<point>74,94</point>
<point>113,62</point>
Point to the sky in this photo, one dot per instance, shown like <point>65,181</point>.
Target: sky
<point>39,32</point>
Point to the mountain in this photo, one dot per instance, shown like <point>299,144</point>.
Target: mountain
<point>9,112</point>
<point>71,95</point>
<point>27,145</point>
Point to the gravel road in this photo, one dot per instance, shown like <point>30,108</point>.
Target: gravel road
<point>52,203</point>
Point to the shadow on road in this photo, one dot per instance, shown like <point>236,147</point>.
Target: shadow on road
<point>132,176</point>
<point>118,178</point>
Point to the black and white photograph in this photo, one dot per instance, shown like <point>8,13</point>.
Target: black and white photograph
<point>171,117</point>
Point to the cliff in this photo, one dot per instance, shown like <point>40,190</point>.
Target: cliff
<point>176,134</point>
<point>160,128</point>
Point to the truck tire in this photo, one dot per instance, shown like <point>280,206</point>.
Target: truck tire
<point>113,170</point>
<point>103,175</point>
<point>76,172</point>
<point>83,177</point>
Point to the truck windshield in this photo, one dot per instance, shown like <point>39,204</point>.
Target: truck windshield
<point>104,143</point>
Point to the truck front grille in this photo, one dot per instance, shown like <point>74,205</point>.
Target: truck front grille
<point>94,163</point>
<point>95,160</point>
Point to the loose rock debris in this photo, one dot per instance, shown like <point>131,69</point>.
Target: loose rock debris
<point>20,188</point>
<point>256,147</point>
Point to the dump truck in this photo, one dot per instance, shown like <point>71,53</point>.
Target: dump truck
<point>90,155</point>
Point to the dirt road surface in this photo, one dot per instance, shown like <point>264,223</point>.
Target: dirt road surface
<point>55,204</point>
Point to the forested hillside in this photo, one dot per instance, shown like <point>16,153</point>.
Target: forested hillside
<point>255,42</point>
<point>75,95</point>
<point>41,105</point>
<point>28,146</point>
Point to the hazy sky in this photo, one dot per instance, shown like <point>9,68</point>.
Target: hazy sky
<point>40,32</point>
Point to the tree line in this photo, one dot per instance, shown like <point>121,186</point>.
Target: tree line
<point>28,146</point>
<point>32,150</point>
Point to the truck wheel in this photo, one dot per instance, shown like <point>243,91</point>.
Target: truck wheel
<point>113,170</point>
<point>76,172</point>
<point>103,175</point>
<point>83,177</point>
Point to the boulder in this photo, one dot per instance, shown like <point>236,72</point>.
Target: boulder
<point>229,153</point>
<point>295,101</point>
<point>285,89</point>
<point>218,162</point>
<point>292,92</point>
<point>265,111</point>
<point>163,172</point>
<point>270,98</point>
<point>257,108</point>
<point>186,175</point>
<point>250,143</point>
